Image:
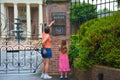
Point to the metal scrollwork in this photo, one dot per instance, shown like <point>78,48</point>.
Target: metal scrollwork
<point>18,58</point>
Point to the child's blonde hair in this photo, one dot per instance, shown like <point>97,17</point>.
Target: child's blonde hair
<point>63,47</point>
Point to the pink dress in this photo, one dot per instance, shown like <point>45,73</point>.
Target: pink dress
<point>63,62</point>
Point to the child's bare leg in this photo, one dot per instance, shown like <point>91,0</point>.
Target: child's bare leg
<point>61,74</point>
<point>66,74</point>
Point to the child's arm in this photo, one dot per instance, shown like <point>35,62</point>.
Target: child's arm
<point>59,46</point>
<point>67,48</point>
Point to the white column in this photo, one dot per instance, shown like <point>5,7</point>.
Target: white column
<point>28,21</point>
<point>40,20</point>
<point>3,21</point>
<point>15,15</point>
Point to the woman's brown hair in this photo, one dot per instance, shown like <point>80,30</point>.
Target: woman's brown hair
<point>63,47</point>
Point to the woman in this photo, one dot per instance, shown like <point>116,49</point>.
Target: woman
<point>46,51</point>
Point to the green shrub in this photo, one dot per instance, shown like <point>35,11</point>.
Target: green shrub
<point>74,48</point>
<point>98,42</point>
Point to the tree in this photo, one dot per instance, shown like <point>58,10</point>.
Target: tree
<point>118,1</point>
<point>81,12</point>
<point>105,10</point>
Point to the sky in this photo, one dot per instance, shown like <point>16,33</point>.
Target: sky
<point>109,4</point>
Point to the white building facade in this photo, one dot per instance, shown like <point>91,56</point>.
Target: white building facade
<point>29,11</point>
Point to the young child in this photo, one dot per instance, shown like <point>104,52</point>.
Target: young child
<point>64,66</point>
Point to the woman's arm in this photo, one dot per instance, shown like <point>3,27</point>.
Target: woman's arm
<point>43,43</point>
<point>51,23</point>
<point>44,40</point>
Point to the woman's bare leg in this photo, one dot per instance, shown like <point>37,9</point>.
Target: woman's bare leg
<point>43,66</point>
<point>46,69</point>
<point>47,65</point>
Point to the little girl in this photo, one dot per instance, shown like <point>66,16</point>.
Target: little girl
<point>64,66</point>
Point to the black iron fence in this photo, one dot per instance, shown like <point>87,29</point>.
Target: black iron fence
<point>84,10</point>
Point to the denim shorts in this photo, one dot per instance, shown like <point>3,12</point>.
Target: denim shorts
<point>48,54</point>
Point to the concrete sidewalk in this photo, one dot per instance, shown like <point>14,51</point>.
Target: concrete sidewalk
<point>23,77</point>
<point>28,77</point>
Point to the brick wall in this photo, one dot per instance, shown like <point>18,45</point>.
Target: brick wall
<point>56,7</point>
<point>95,73</point>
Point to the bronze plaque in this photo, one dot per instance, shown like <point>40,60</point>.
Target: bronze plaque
<point>59,27</point>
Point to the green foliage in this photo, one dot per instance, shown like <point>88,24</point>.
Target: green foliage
<point>81,12</point>
<point>118,1</point>
<point>74,48</point>
<point>103,11</point>
<point>98,42</point>
<point>57,0</point>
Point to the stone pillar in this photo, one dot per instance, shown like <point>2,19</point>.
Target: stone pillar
<point>15,15</point>
<point>3,21</point>
<point>28,21</point>
<point>40,21</point>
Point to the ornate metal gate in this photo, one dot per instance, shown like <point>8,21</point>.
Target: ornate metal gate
<point>19,57</point>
